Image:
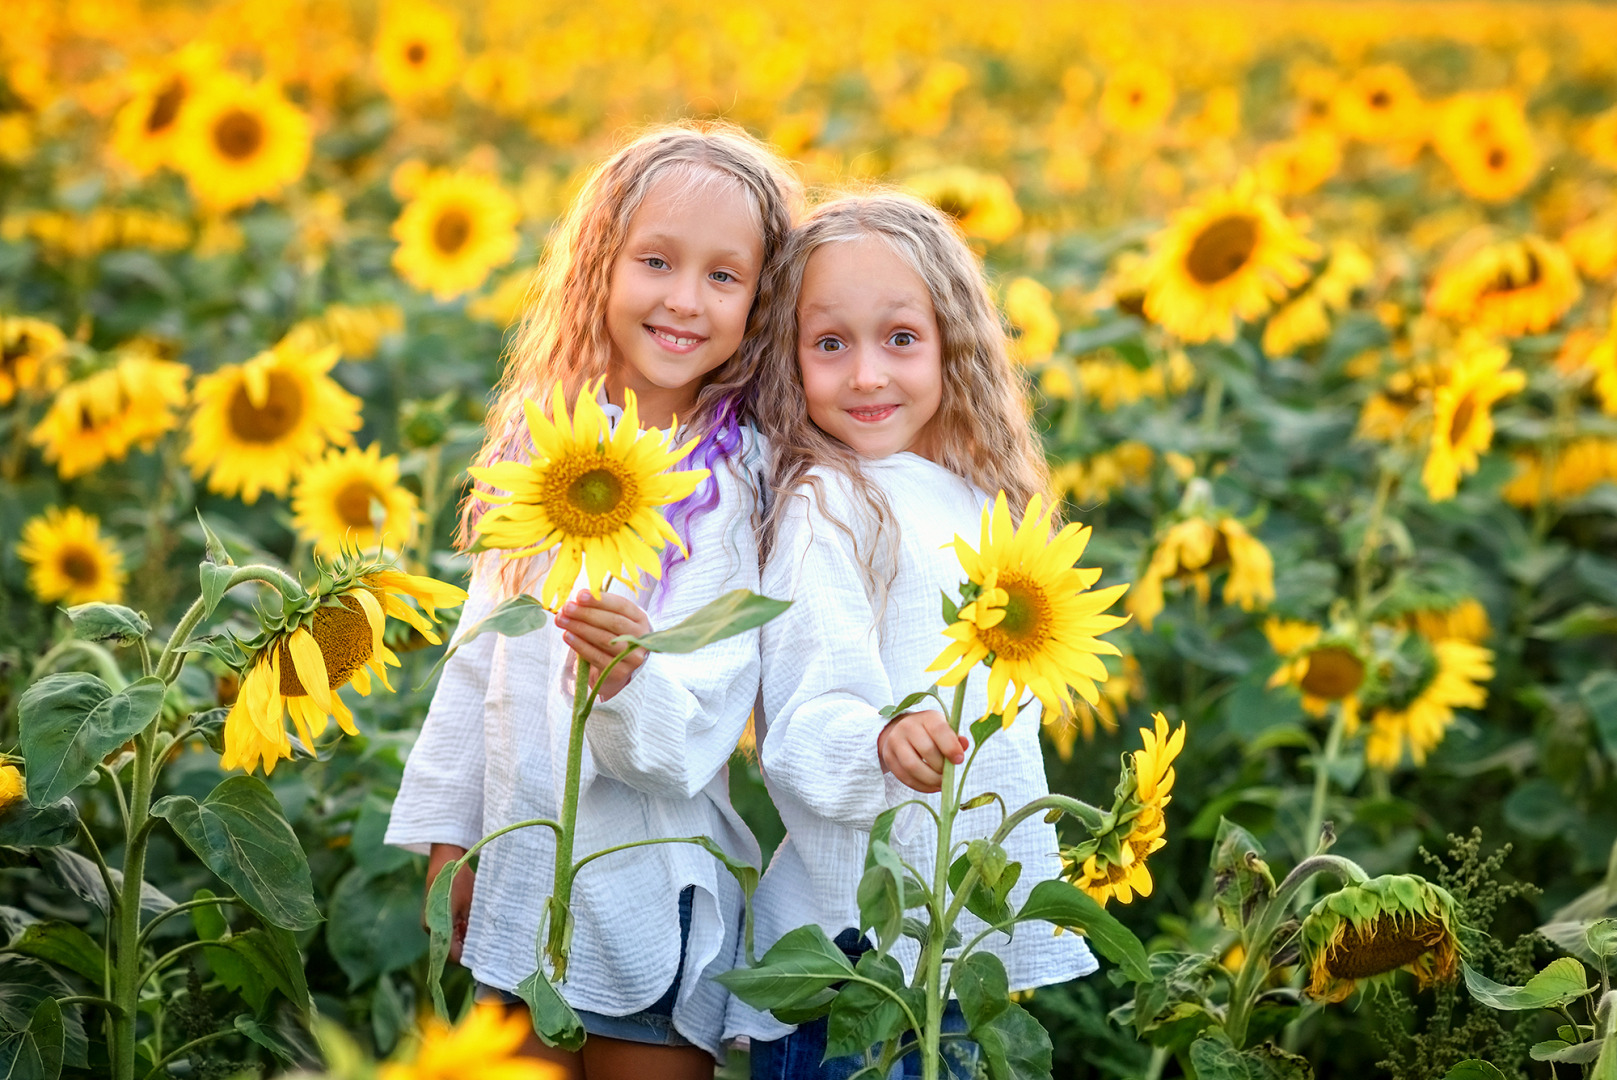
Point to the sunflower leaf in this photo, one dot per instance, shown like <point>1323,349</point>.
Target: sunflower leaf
<point>35,1052</point>
<point>553,1019</point>
<point>1474,1069</point>
<point>793,973</point>
<point>863,1015</point>
<point>1015,1045</point>
<point>733,613</point>
<point>439,931</point>
<point>951,610</point>
<point>909,702</point>
<point>108,622</point>
<point>1562,981</point>
<point>69,722</point>
<point>24,825</point>
<point>1068,906</point>
<point>514,617</point>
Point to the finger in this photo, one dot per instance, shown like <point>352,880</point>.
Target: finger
<point>914,772</point>
<point>611,623</point>
<point>594,657</point>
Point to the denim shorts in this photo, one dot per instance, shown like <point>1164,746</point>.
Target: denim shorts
<point>799,1055</point>
<point>654,1024</point>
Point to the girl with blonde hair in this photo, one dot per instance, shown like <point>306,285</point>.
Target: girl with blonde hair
<point>651,286</point>
<point>894,413</point>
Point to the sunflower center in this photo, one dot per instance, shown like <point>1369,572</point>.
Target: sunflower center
<point>1136,96</point>
<point>953,204</point>
<point>238,134</point>
<point>1382,946</point>
<point>451,231</point>
<point>1333,673</point>
<point>1380,99</point>
<point>80,566</point>
<point>281,412</point>
<point>1464,413</point>
<point>1497,158</point>
<point>589,494</point>
<point>1510,280</point>
<point>165,107</point>
<point>1222,248</point>
<point>344,637</point>
<point>1025,629</point>
<point>416,53</point>
<point>353,503</point>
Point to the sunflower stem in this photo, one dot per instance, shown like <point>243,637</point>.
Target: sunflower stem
<point>937,992</point>
<point>561,896</point>
<point>173,656</point>
<point>1323,764</point>
<point>125,909</point>
<point>1367,546</point>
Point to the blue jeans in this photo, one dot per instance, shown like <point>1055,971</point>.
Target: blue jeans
<point>654,1024</point>
<point>799,1055</point>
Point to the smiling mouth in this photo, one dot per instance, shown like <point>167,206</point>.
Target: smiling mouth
<point>673,340</point>
<point>871,414</point>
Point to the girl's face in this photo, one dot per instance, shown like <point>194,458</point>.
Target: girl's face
<point>869,348</point>
<point>681,289</point>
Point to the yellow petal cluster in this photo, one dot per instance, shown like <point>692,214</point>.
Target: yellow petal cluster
<point>239,142</point>
<point>1462,413</point>
<point>457,228</point>
<point>484,1045</point>
<point>101,417</point>
<point>1459,680</point>
<point>332,502</point>
<point>1512,287</point>
<point>69,561</point>
<point>1195,549</point>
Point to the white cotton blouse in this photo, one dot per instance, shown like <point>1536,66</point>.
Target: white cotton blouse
<point>493,751</point>
<point>835,658</point>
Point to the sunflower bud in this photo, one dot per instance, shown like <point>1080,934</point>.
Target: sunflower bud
<point>1366,932</point>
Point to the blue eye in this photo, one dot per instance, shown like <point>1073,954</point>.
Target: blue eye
<point>724,277</point>
<point>902,338</point>
<point>656,264</point>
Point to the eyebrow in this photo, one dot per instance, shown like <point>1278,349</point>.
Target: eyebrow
<point>825,307</point>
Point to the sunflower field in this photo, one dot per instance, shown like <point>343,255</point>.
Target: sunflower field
<point>1316,303</point>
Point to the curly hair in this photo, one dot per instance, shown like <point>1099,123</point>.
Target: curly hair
<point>563,338</point>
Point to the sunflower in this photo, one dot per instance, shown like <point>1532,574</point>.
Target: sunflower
<point>1462,413</point>
<point>1380,104</point>
<point>418,53</point>
<point>310,649</point>
<point>1366,931</point>
<point>1027,613</point>
<point>100,417</point>
<point>1581,464</point>
<point>1486,141</point>
<point>1466,620</point>
<point>145,128</point>
<point>1592,245</point>
<point>1093,480</point>
<point>484,1044</point>
<point>1324,668</point>
<point>1306,318</point>
<point>1138,97</point>
<point>1455,674</point>
<point>1300,165</point>
<point>333,500</point>
<point>982,204</point>
<point>356,329</point>
<point>13,787</point>
<point>1512,287</point>
<point>32,356</point>
<point>1111,863</point>
<point>589,492</point>
<point>1196,548</point>
<point>258,423</point>
<point>239,142</point>
<point>456,228</point>
<point>1035,330</point>
<point>501,81</point>
<point>1600,138</point>
<point>69,560</point>
<point>1230,256</point>
<point>1316,90</point>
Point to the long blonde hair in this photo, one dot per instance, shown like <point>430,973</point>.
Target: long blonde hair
<point>981,430</point>
<point>563,338</point>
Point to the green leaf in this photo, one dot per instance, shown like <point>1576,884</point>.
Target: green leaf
<point>909,702</point>
<point>1564,980</point>
<point>1239,884</point>
<point>374,923</point>
<point>1069,906</point>
<point>863,1015</point>
<point>951,610</point>
<point>64,945</point>
<point>979,800</point>
<point>81,877</point>
<point>1474,1069</point>
<point>35,1052</point>
<point>982,901</point>
<point>214,549</point>
<point>980,982</point>
<point>268,1038</point>
<point>210,726</point>
<point>982,730</point>
<point>989,859</point>
<point>1216,1059</point>
<point>1602,939</point>
<point>1599,695</point>
<point>554,1020</point>
<point>25,986</point>
<point>1558,1050</point>
<point>24,825</point>
<point>240,833</point>
<point>880,895</point>
<point>514,617</point>
<point>794,970</point>
<point>273,954</point>
<point>70,721</point>
<point>390,1018</point>
<point>439,932</point>
<point>1015,1045</point>
<point>746,876</point>
<point>238,975</point>
<point>731,614</point>
<point>108,622</point>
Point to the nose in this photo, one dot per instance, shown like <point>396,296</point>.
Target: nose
<point>867,373</point>
<point>684,296</point>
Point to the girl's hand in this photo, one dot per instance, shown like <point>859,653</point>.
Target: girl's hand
<point>914,746</point>
<point>460,895</point>
<point>589,623</point>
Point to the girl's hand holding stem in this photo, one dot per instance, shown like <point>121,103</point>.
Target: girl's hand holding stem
<point>460,895</point>
<point>913,748</point>
<point>590,623</point>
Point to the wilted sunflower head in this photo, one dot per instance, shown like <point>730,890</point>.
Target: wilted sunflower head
<point>1365,932</point>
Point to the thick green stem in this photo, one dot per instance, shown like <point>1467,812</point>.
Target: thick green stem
<point>561,896</point>
<point>189,905</point>
<point>1323,764</point>
<point>126,972</point>
<point>936,992</point>
<point>173,656</point>
<point>1372,532</point>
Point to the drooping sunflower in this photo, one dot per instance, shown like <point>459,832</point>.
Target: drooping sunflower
<point>1195,549</point>
<point>1381,104</point>
<point>456,228</point>
<point>1324,668</point>
<point>1112,863</point>
<point>308,651</point>
<point>981,203</point>
<point>100,417</point>
<point>1512,287</point>
<point>1137,98</point>
<point>484,1044</point>
<point>145,128</point>
<point>1486,141</point>
<point>418,52</point>
<point>69,560</point>
<point>1419,709</point>
<point>32,356</point>
<point>239,142</point>
<point>257,424</point>
<point>1462,413</point>
<point>333,498</point>
<point>1581,464</point>
<point>1231,256</point>
<point>1364,932</point>
<point>1035,329</point>
<point>1027,613</point>
<point>1093,480</point>
<point>589,492</point>
<point>1592,245</point>
<point>1306,318</point>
